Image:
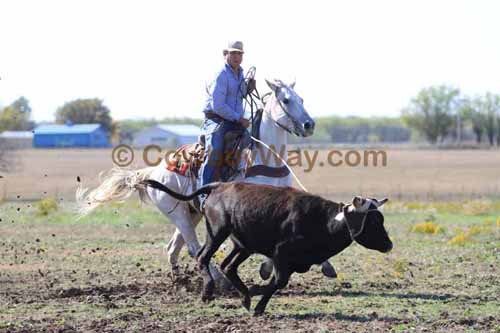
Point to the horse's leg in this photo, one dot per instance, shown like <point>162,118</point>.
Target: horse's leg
<point>182,220</point>
<point>173,248</point>
<point>176,243</point>
<point>181,216</point>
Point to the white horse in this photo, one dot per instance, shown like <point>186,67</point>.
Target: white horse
<point>283,113</point>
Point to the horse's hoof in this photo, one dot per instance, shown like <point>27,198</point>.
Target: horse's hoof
<point>175,270</point>
<point>264,273</point>
<point>329,271</point>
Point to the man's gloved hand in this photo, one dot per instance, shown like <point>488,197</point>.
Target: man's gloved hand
<point>244,122</point>
<point>251,86</point>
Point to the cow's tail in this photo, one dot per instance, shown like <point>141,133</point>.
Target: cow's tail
<point>207,189</point>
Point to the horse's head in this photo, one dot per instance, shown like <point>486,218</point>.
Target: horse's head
<point>288,110</point>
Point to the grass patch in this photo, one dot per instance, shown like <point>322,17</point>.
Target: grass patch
<point>467,208</point>
<point>46,206</point>
<point>427,228</point>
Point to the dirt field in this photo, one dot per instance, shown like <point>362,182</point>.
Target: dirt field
<point>408,175</point>
<point>107,273</point>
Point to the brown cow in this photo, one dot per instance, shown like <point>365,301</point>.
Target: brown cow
<point>293,228</point>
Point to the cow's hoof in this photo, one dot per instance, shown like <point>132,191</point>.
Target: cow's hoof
<point>255,290</point>
<point>258,313</point>
<point>246,302</point>
<point>225,285</point>
<point>329,271</point>
<point>264,272</point>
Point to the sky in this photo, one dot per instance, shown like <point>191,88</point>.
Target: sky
<point>149,59</point>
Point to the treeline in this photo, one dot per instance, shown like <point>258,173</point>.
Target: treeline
<point>361,130</point>
<point>442,113</point>
<point>437,114</point>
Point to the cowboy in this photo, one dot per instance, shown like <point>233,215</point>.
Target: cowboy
<point>223,112</point>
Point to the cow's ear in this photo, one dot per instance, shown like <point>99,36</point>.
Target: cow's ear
<point>381,202</point>
<point>354,221</point>
<point>357,202</point>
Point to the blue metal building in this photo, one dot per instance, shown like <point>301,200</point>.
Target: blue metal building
<point>79,135</point>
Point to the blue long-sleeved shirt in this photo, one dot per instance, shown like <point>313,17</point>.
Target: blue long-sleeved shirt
<point>224,95</point>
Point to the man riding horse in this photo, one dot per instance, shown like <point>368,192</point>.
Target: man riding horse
<point>224,130</point>
<point>223,113</point>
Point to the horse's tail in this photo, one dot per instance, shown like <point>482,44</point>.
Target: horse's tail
<point>116,184</point>
<point>207,189</point>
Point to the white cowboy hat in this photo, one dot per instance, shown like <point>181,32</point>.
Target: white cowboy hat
<point>235,46</point>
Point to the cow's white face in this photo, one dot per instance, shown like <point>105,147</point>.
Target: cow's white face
<point>361,205</point>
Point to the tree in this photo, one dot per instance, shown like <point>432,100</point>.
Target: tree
<point>490,108</point>
<point>22,105</point>
<point>470,109</point>
<point>85,111</point>
<point>498,131</point>
<point>16,116</point>
<point>431,112</point>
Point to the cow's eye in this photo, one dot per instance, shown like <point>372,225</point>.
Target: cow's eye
<point>285,100</point>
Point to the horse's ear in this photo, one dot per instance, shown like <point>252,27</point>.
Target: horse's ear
<point>292,85</point>
<point>272,85</point>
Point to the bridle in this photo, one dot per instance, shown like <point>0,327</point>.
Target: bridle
<point>256,113</point>
<point>251,99</point>
<point>283,108</point>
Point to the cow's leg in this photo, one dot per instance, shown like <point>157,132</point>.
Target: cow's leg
<point>239,255</point>
<point>214,239</point>
<point>328,270</point>
<point>227,260</point>
<point>279,280</point>
<point>266,269</point>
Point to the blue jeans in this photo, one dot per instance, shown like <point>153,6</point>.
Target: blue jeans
<point>214,131</point>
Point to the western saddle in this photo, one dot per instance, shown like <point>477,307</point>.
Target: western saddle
<point>188,158</point>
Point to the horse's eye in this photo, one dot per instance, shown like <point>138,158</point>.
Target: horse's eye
<point>285,100</point>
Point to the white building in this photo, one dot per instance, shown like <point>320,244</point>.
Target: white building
<point>170,136</point>
<point>17,139</point>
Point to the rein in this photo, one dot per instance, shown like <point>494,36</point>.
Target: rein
<point>251,98</point>
<point>343,218</point>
